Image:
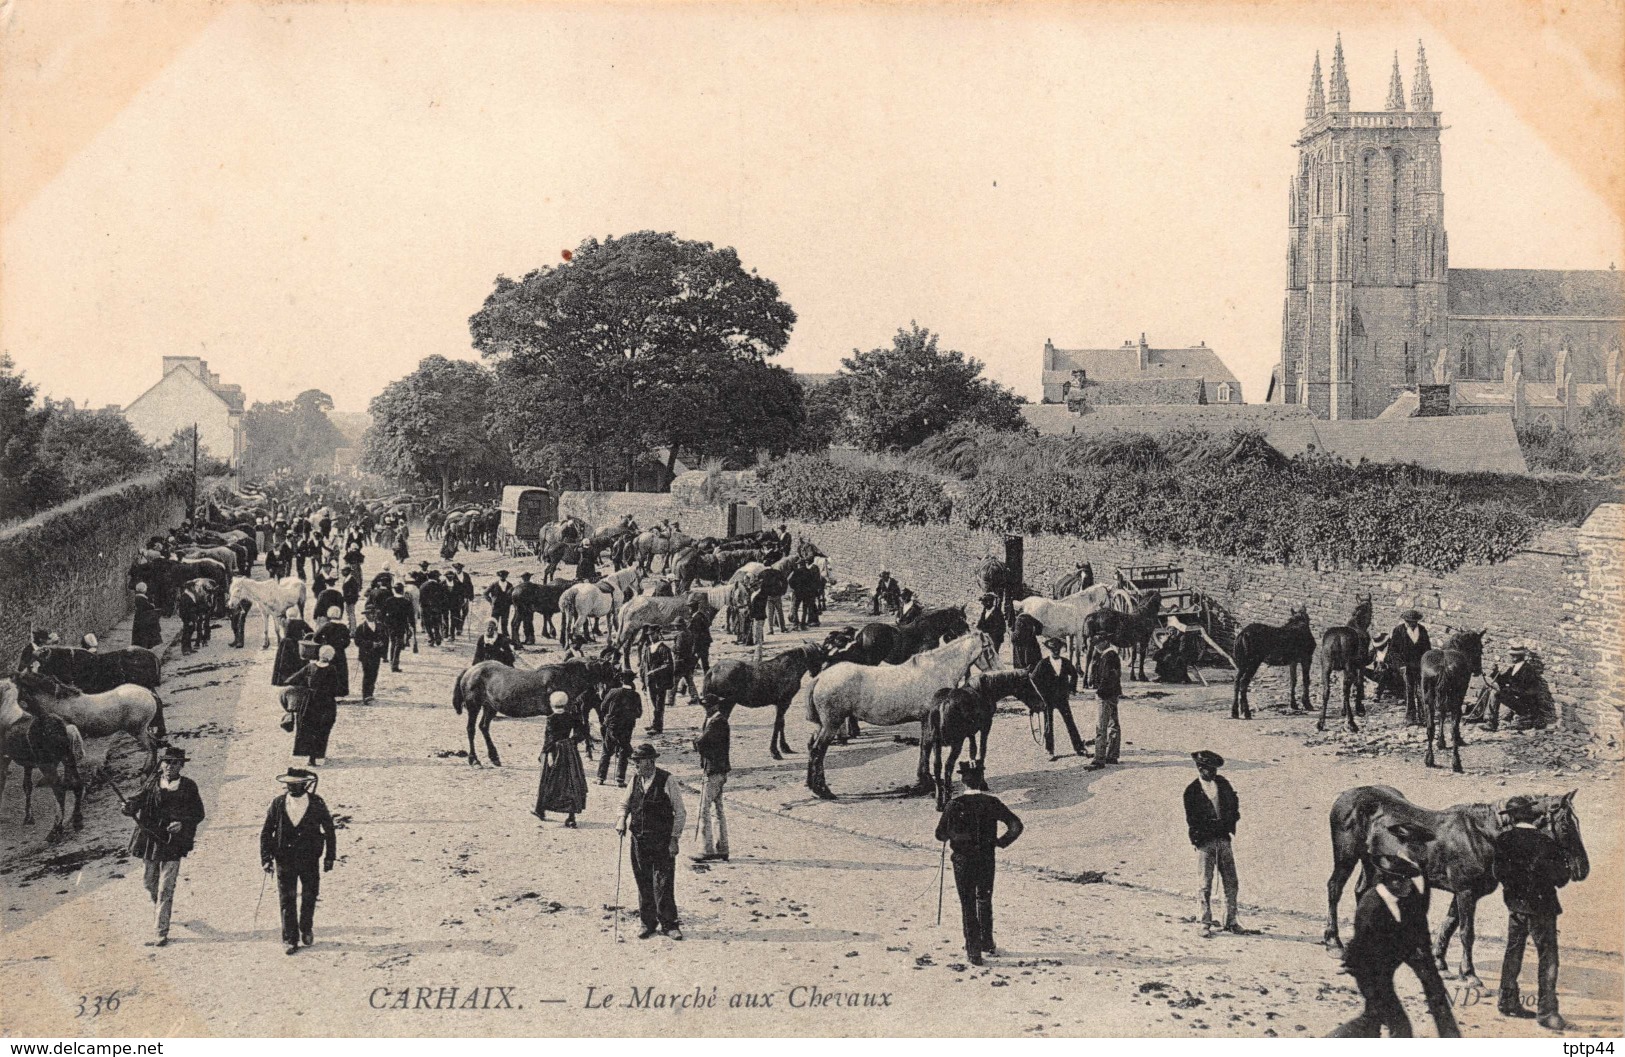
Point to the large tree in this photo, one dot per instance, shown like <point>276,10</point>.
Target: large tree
<point>892,398</point>
<point>27,483</point>
<point>434,425</point>
<point>634,343</point>
<point>291,435</point>
<point>92,449</point>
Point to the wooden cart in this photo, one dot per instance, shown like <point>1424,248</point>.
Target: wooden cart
<point>526,510</point>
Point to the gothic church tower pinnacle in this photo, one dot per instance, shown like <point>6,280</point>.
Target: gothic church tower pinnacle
<point>1337,99</point>
<point>1421,85</point>
<point>1396,88</point>
<point>1316,107</point>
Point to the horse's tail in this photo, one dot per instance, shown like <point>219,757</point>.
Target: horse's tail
<point>457,695</point>
<point>812,706</point>
<point>76,744</point>
<point>156,724</point>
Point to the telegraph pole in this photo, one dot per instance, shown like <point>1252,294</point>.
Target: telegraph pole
<point>192,511</point>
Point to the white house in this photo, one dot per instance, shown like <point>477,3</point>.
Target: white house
<point>190,393</point>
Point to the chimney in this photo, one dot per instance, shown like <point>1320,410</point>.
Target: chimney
<point>1143,351</point>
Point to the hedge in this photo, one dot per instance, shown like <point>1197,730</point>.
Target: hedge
<point>810,488</point>
<point>65,568</point>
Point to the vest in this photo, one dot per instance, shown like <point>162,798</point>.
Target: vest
<point>651,815</point>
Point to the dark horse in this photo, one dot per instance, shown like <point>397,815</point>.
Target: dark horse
<point>165,577</point>
<point>1131,631</point>
<point>38,740</point>
<point>96,673</point>
<point>1446,674</point>
<point>1292,645</point>
<point>491,687</point>
<point>1458,858</point>
<point>1346,650</point>
<point>895,643</point>
<point>773,683</point>
<point>961,714</point>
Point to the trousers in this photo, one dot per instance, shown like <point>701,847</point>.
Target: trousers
<point>1108,732</point>
<point>397,642</point>
<point>711,803</point>
<point>617,744</point>
<point>1413,694</point>
<point>369,674</point>
<point>1382,1010</point>
<point>524,627</point>
<point>159,878</point>
<point>1217,853</point>
<point>1065,709</point>
<point>973,880</point>
<point>654,869</point>
<point>1542,928</point>
<point>297,887</point>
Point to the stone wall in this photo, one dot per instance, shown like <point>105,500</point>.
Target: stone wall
<point>599,509</point>
<point>1562,595</point>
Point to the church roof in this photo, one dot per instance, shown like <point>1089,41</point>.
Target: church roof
<point>1536,292</point>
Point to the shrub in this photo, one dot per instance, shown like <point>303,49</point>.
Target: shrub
<point>809,488</point>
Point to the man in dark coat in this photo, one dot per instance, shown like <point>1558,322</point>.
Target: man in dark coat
<point>166,812</point>
<point>653,811</point>
<point>305,551</point>
<point>990,621</point>
<point>146,629</point>
<point>41,637</point>
<point>1056,680</point>
<point>298,843</point>
<point>399,617</point>
<point>461,587</point>
<point>804,582</point>
<point>434,598</point>
<point>1518,691</point>
<point>1406,645</point>
<point>371,647</point>
<point>1531,868</point>
<point>970,826</point>
<point>886,594</point>
<point>587,564</point>
<point>500,594</point>
<point>527,598</point>
<point>661,679</point>
<point>1211,814</point>
<point>1390,930</point>
<point>712,746</point>
<point>352,593</point>
<point>493,645</point>
<point>774,583</point>
<point>1109,690</point>
<point>619,712</point>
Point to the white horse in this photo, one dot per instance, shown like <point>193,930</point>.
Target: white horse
<point>273,598</point>
<point>627,582</point>
<point>1101,596</point>
<point>646,611</point>
<point>885,695</point>
<point>584,601</point>
<point>128,709</point>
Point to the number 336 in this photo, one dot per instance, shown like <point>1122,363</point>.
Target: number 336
<point>96,1005</point>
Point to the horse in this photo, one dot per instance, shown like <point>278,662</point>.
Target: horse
<point>1071,583</point>
<point>959,714</point>
<point>583,602</point>
<point>43,743</point>
<point>133,710</point>
<point>773,683</point>
<point>1292,645</point>
<point>273,599</point>
<point>1446,674</point>
<point>1459,858</point>
<point>1101,596</point>
<point>649,611</point>
<point>233,561</point>
<point>560,541</point>
<point>97,672</point>
<point>665,543</point>
<point>165,577</point>
<point>1346,650</point>
<point>194,604</point>
<point>886,695</point>
<point>491,688</point>
<point>881,643</point>
<point>1130,630</point>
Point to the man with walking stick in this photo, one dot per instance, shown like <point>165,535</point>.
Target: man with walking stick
<point>166,811</point>
<point>653,811</point>
<point>970,826</point>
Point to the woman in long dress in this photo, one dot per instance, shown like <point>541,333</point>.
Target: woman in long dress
<point>333,633</point>
<point>564,784</point>
<point>146,630</point>
<point>315,715</point>
<point>288,659</point>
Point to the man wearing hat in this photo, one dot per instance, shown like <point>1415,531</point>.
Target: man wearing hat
<point>1406,644</point>
<point>1518,691</point>
<point>1390,930</point>
<point>1109,690</point>
<point>462,589</point>
<point>713,745</point>
<point>40,638</point>
<point>1211,814</point>
<point>970,826</point>
<point>660,678</point>
<point>527,599</point>
<point>166,811</point>
<point>298,843</point>
<point>653,811</point>
<point>500,594</point>
<point>619,715</point>
<point>1056,679</point>
<point>434,600</point>
<point>371,647</point>
<point>910,608</point>
<point>885,594</point>
<point>990,621</point>
<point>146,629</point>
<point>399,616</point>
<point>1531,867</point>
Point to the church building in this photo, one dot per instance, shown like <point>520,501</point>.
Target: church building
<point>1374,315</point>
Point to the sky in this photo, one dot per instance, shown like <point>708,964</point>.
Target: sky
<point>319,196</point>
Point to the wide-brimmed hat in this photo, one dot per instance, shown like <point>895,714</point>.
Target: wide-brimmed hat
<point>423,564</point>
<point>1394,867</point>
<point>296,776</point>
<point>1208,758</point>
<point>457,565</point>
<point>525,576</point>
<point>645,752</point>
<point>1520,809</point>
<point>501,573</point>
<point>1520,651</point>
<point>1054,644</point>
<point>1411,615</point>
<point>173,753</point>
<point>990,597</point>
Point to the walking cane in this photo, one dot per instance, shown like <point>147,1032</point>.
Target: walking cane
<point>942,870</point>
<point>620,854</point>
<point>265,875</point>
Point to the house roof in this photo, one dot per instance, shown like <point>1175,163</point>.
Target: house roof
<point>1057,419</point>
<point>189,379</point>
<point>1123,364</point>
<point>1536,292</point>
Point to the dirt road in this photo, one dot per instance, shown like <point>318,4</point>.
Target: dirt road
<point>453,911</point>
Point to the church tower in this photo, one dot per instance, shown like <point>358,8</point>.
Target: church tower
<point>1365,312</point>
